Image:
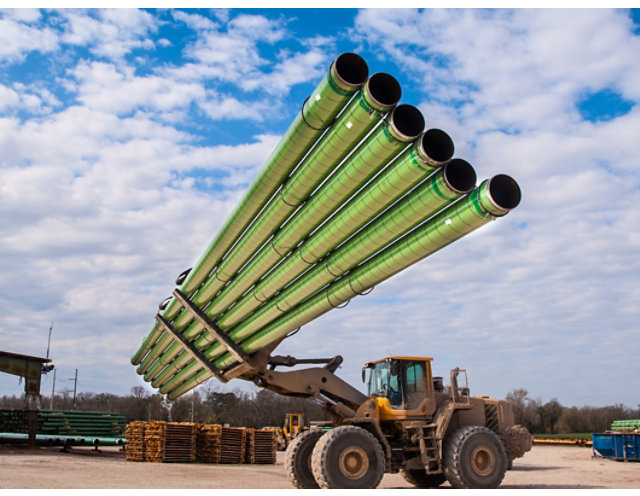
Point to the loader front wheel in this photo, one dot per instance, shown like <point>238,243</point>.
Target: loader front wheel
<point>474,458</point>
<point>419,478</point>
<point>297,459</point>
<point>348,457</point>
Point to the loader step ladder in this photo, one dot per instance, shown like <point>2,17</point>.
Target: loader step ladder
<point>429,449</point>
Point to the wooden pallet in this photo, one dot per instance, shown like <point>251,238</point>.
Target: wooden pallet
<point>232,445</point>
<point>260,446</point>
<point>209,443</point>
<point>134,433</point>
<point>170,442</point>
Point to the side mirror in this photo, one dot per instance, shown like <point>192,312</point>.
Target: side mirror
<point>364,375</point>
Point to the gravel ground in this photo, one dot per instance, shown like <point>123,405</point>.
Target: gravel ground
<point>544,467</point>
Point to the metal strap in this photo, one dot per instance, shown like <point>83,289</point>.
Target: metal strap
<point>331,303</point>
<point>191,349</point>
<point>210,326</point>
<point>305,120</point>
<point>355,290</point>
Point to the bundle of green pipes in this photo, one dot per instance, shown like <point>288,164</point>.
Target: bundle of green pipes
<point>355,192</point>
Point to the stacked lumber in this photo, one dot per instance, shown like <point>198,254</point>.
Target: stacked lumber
<point>135,441</point>
<point>170,442</point>
<point>232,445</point>
<point>260,446</point>
<point>209,443</point>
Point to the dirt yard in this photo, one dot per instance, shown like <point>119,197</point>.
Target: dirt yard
<point>548,467</point>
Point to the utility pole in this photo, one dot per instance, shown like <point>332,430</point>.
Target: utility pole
<point>53,389</point>
<point>49,341</point>
<point>75,388</point>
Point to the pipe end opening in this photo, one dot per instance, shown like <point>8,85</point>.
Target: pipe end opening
<point>352,69</point>
<point>460,175</point>
<point>384,89</point>
<point>437,145</point>
<point>408,120</point>
<point>505,191</point>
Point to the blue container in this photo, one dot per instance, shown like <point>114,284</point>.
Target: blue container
<point>618,446</point>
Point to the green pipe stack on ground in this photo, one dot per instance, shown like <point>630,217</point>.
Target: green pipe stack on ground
<point>345,76</point>
<point>349,197</point>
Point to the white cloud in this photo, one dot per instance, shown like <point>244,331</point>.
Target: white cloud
<point>110,33</point>
<point>18,38</point>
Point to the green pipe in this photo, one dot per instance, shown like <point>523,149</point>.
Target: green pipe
<point>427,154</point>
<point>197,379</point>
<point>493,198</point>
<point>447,185</point>
<point>379,95</point>
<point>345,76</point>
<point>454,180</point>
<point>403,125</point>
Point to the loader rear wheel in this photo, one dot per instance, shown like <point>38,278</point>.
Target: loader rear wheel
<point>474,458</point>
<point>297,459</point>
<point>348,457</point>
<point>419,478</point>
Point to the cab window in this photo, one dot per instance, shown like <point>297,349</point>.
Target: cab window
<point>416,383</point>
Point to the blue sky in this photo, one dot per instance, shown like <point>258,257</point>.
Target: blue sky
<point>129,135</point>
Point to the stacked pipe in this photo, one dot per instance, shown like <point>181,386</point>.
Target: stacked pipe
<point>361,192</point>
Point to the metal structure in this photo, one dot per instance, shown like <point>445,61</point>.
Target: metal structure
<point>31,369</point>
<point>355,192</point>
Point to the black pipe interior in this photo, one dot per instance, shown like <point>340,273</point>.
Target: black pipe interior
<point>460,175</point>
<point>408,120</point>
<point>438,145</point>
<point>352,68</point>
<point>505,191</point>
<point>384,88</point>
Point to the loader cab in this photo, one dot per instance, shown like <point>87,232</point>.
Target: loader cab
<point>401,386</point>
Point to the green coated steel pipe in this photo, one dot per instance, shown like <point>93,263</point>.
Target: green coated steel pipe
<point>430,152</point>
<point>402,126</point>
<point>447,185</point>
<point>379,95</point>
<point>451,182</point>
<point>345,76</point>
<point>493,198</point>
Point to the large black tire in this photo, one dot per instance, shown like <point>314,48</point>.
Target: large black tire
<point>474,458</point>
<point>419,478</point>
<point>348,457</point>
<point>297,459</point>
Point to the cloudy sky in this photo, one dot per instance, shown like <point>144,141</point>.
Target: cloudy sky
<point>127,136</point>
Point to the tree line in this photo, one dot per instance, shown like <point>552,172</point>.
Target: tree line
<point>207,405</point>
<point>264,408</point>
<point>552,418</point>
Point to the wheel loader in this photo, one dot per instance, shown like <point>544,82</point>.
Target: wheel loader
<point>408,423</point>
